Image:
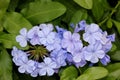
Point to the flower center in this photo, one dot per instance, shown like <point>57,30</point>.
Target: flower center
<point>38,52</point>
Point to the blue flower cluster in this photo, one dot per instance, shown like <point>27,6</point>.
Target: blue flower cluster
<point>52,48</point>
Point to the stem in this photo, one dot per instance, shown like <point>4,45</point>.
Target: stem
<point>113,11</point>
<point>80,70</point>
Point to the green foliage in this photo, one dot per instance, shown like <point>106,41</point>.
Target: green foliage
<point>85,3</point>
<point>97,9</point>
<point>78,16</point>
<point>13,5</point>
<point>114,71</point>
<point>3,7</point>
<point>70,73</point>
<point>93,73</point>
<point>109,23</point>
<point>117,24</point>
<point>5,39</point>
<point>14,21</point>
<point>117,14</point>
<point>5,65</point>
<point>116,55</point>
<point>38,12</point>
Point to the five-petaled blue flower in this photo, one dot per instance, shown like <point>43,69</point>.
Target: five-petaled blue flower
<point>47,67</point>
<point>22,38</point>
<point>71,41</point>
<point>33,35</point>
<point>46,35</point>
<point>93,53</point>
<point>92,33</point>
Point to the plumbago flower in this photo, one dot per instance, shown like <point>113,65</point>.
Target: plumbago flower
<point>92,33</point>
<point>22,38</point>
<point>50,49</point>
<point>71,41</point>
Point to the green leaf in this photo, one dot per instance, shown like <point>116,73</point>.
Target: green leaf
<point>44,1</point>
<point>117,25</point>
<point>78,16</point>
<point>85,77</point>
<point>116,56</point>
<point>114,47</point>
<point>71,9</point>
<point>38,12</point>
<point>94,73</point>
<point>97,9</point>
<point>24,3</point>
<point>87,4</point>
<point>14,21</point>
<point>69,73</point>
<point>3,7</point>
<point>5,65</point>
<point>5,39</point>
<point>13,4</point>
<point>111,68</point>
<point>109,78</point>
<point>109,23</point>
<point>117,14</point>
<point>97,72</point>
<point>1,27</point>
<point>115,74</point>
<point>114,71</point>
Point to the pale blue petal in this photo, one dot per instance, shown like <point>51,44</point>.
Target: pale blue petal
<point>93,27</point>
<point>31,62</point>
<point>67,35</point>
<point>42,72</point>
<point>50,40</point>
<point>97,35</point>
<point>100,54</point>
<point>50,71</point>
<point>46,31</point>
<point>35,41</point>
<point>111,37</point>
<point>76,36</point>
<point>47,60</point>
<point>86,36</point>
<point>50,26</point>
<point>77,58</point>
<point>19,38</point>
<point>78,45</point>
<point>50,47</point>
<point>105,60</point>
<point>23,31</point>
<point>64,43</point>
<point>14,51</point>
<point>43,40</point>
<point>32,32</point>
<point>18,62</point>
<point>22,41</point>
<point>94,59</point>
<point>21,69</point>
<point>42,26</point>
<point>35,72</point>
<point>97,46</point>
<point>53,65</point>
<point>70,47</point>
<point>88,55</point>
<point>41,34</point>
<point>41,65</point>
